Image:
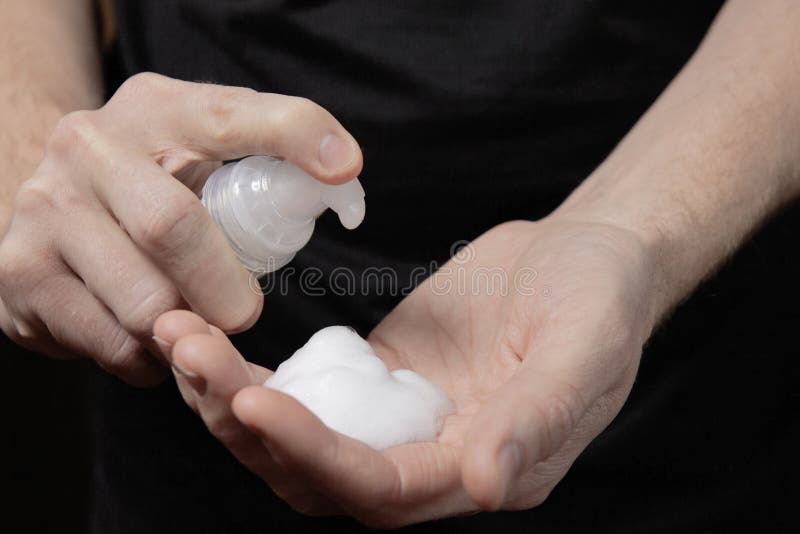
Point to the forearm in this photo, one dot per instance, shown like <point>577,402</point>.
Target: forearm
<point>49,65</point>
<point>715,156</point>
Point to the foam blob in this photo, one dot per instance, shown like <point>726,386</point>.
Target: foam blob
<point>338,377</point>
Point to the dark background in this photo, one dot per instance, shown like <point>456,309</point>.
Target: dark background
<point>46,460</point>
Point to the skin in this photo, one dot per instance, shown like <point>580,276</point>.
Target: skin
<point>570,356</point>
<point>534,377</point>
<point>129,174</point>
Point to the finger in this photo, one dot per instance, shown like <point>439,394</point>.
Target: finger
<point>567,371</point>
<point>213,371</point>
<point>162,216</point>
<point>28,265</point>
<point>175,324</point>
<point>431,484</point>
<point>216,371</point>
<point>90,329</point>
<point>348,471</point>
<point>167,329</point>
<point>205,353</point>
<point>118,273</point>
<point>524,423</point>
<point>259,373</point>
<point>32,334</point>
<point>217,363</point>
<point>222,372</point>
<point>225,123</point>
<point>168,222</point>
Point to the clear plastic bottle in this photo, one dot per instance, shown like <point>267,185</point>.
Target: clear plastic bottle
<point>267,207</point>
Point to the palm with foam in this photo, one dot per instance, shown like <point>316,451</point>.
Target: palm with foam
<point>535,369</point>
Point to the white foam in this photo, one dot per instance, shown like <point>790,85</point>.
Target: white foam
<point>338,377</point>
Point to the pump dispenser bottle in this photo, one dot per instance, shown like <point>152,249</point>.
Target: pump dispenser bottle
<point>266,207</point>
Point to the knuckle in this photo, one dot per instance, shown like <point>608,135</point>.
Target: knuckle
<point>296,111</point>
<point>50,291</point>
<point>171,225</point>
<point>139,320</point>
<point>141,84</point>
<point>559,415</point>
<point>42,198</point>
<point>75,131</point>
<point>301,110</point>
<point>15,267</point>
<point>303,107</point>
<point>34,195</point>
<point>221,105</point>
<point>564,409</point>
<point>558,422</point>
<point>120,351</point>
<point>247,313</point>
<point>136,96</point>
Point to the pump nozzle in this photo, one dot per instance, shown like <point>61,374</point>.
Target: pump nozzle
<point>347,200</point>
<point>266,207</point>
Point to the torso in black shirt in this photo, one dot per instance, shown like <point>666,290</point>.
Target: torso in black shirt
<point>470,114</point>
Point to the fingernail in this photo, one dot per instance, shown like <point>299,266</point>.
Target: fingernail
<point>509,461</point>
<point>335,153</point>
<point>197,382</point>
<point>185,372</point>
<point>164,346</point>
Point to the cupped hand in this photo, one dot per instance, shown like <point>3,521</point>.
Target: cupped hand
<point>534,330</point>
<point>109,232</point>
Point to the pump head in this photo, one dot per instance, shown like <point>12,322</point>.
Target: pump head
<point>267,208</point>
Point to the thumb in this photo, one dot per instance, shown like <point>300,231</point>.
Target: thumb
<point>345,470</point>
<point>223,122</point>
<point>524,423</point>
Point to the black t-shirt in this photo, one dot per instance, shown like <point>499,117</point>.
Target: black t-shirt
<point>470,114</point>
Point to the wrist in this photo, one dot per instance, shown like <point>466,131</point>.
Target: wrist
<point>661,248</point>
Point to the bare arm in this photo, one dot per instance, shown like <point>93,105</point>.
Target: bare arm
<point>716,155</point>
<point>49,65</point>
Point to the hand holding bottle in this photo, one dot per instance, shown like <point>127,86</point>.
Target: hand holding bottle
<point>109,232</point>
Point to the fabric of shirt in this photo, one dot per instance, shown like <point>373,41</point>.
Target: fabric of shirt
<point>471,113</point>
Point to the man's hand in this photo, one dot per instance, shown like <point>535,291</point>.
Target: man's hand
<point>534,331</point>
<point>109,233</point>
<point>534,377</point>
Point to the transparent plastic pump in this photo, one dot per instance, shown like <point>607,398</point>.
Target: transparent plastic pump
<point>267,207</point>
